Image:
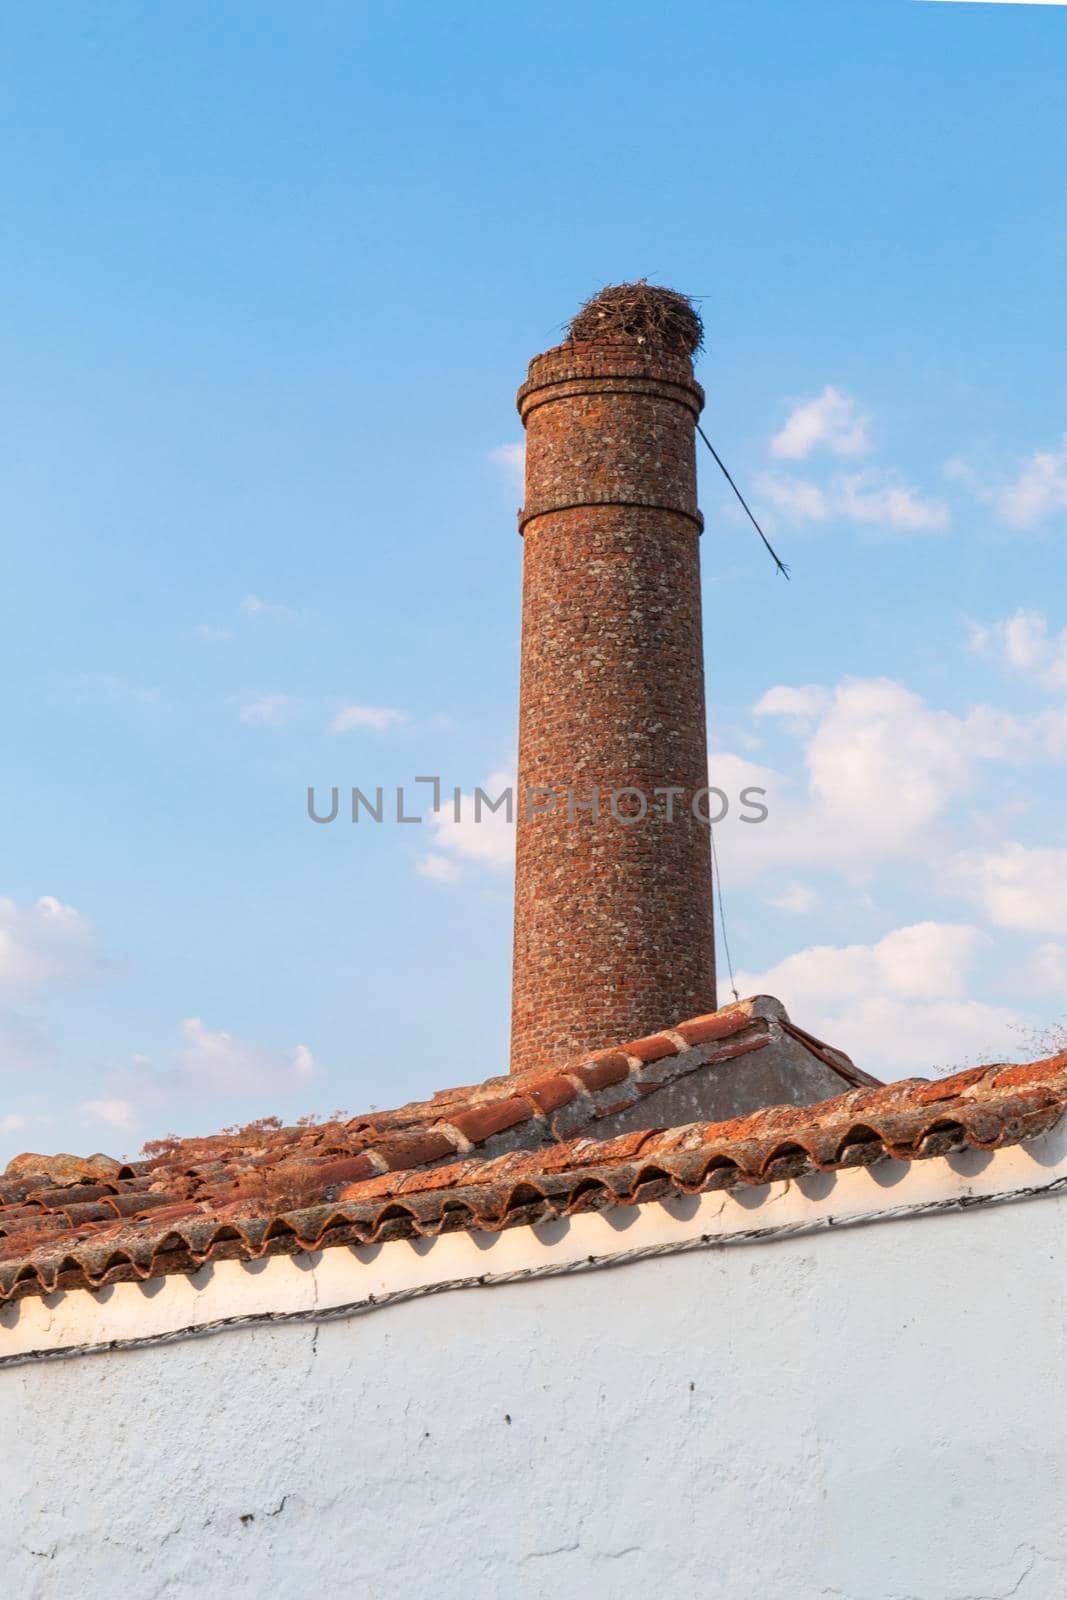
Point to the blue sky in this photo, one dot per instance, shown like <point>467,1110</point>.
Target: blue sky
<point>271,277</point>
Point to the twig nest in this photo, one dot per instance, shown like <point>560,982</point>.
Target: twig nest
<point>639,313</point>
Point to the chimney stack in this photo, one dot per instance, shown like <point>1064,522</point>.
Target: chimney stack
<point>614,935</point>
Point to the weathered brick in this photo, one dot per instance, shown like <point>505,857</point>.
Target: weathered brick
<point>613,920</point>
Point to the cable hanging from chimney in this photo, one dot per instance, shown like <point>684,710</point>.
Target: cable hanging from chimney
<point>722,914</point>
<point>782,568</point>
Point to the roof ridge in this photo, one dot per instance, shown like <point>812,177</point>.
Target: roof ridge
<point>143,1233</point>
<point>915,1119</point>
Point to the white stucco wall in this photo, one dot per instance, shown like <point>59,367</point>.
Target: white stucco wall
<point>873,1412</point>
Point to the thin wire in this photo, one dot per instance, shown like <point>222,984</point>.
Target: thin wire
<point>722,913</point>
<point>782,568</point>
<point>804,1227</point>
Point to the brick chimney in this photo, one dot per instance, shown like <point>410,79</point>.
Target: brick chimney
<point>614,933</point>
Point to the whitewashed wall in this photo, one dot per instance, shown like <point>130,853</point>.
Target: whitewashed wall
<point>875,1412</point>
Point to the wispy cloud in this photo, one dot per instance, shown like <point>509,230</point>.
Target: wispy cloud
<point>253,606</point>
<point>120,1114</point>
<point>44,944</point>
<point>483,836</point>
<point>875,498</point>
<point>832,421</point>
<point>439,869</point>
<point>1038,492</point>
<point>227,1063</point>
<point>268,710</point>
<point>45,948</point>
<point>800,704</point>
<point>1024,643</point>
<point>1016,886</point>
<point>900,1005</point>
<point>511,458</point>
<point>206,1063</point>
<point>797,900</point>
<point>379,718</point>
<point>798,498</point>
<point>885,778</point>
<point>1049,968</point>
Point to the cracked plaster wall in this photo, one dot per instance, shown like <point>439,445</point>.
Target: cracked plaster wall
<point>875,1414</point>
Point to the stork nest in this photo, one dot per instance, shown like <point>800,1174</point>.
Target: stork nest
<point>639,313</point>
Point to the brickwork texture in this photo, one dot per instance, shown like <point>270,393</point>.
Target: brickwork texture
<point>614,933</point>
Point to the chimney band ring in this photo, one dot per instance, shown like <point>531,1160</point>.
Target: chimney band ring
<point>525,517</point>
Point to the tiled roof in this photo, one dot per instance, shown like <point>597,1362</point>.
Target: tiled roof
<point>489,1156</point>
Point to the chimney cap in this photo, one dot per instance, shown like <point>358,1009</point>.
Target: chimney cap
<point>639,313</point>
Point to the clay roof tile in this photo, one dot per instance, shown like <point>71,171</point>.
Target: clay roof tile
<point>490,1156</point>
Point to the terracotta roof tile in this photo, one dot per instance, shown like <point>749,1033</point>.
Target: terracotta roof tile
<point>654,1048</point>
<point>509,1151</point>
<point>605,1068</point>
<point>482,1121</point>
<point>551,1092</point>
<point>717,1025</point>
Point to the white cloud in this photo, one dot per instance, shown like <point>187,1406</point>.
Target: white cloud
<point>268,710</point>
<point>882,771</point>
<point>253,606</point>
<point>1039,491</point>
<point>487,837</point>
<point>46,943</point>
<point>798,498</point>
<point>1050,730</point>
<point>44,947</point>
<point>120,1114</point>
<point>798,899</point>
<point>1016,886</point>
<point>957,470</point>
<point>1050,968</point>
<point>222,1063</point>
<point>731,773</point>
<point>440,869</point>
<point>735,837</point>
<point>377,717</point>
<point>873,498</point>
<point>747,850</point>
<point>1023,642</point>
<point>832,420</point>
<point>882,763</point>
<point>11,1122</point>
<point>26,1047</point>
<point>206,1065</point>
<point>512,459</point>
<point>876,498</point>
<point>899,1006</point>
<point>799,704</point>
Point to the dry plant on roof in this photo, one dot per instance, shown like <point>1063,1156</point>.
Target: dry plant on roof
<point>642,313</point>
